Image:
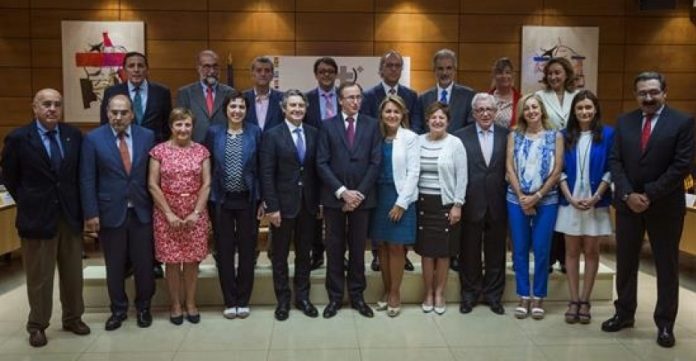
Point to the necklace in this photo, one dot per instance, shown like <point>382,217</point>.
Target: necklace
<point>583,163</point>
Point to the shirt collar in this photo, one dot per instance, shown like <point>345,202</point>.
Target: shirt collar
<point>143,87</point>
<point>292,127</point>
<point>657,113</point>
<point>387,87</point>
<point>43,130</point>
<point>330,93</point>
<point>127,132</point>
<point>479,130</point>
<point>449,89</point>
<point>204,86</point>
<point>345,117</point>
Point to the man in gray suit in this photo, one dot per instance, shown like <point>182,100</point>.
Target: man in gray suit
<point>457,97</point>
<point>204,97</point>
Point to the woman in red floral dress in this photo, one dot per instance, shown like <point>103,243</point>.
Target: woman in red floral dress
<point>179,182</point>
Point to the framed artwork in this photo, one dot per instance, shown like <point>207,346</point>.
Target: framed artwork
<point>93,53</point>
<point>580,45</point>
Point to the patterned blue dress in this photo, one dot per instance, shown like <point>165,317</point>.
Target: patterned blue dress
<point>381,228</point>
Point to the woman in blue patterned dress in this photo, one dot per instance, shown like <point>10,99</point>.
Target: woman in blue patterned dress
<point>534,163</point>
<point>393,221</point>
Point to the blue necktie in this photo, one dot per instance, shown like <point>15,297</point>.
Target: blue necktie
<point>443,96</point>
<point>138,106</point>
<point>299,145</point>
<point>56,156</point>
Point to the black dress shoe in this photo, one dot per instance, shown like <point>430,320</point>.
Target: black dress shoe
<point>144,318</point>
<point>497,308</point>
<point>617,323</point>
<point>78,328</point>
<point>177,320</point>
<point>37,338</point>
<point>331,309</point>
<point>465,307</point>
<point>307,308</point>
<point>665,337</point>
<point>454,264</point>
<point>374,265</point>
<point>193,318</point>
<point>157,271</point>
<point>317,262</point>
<point>408,266</point>
<point>282,311</point>
<point>114,321</point>
<point>362,308</point>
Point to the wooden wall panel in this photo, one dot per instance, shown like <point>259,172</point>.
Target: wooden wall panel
<point>46,78</point>
<point>683,8</point>
<point>46,23</point>
<point>611,109</point>
<point>174,78</point>
<point>502,7</point>
<point>417,6</point>
<point>244,52</point>
<point>611,57</point>
<point>252,26</point>
<point>421,53</point>
<point>171,25</point>
<point>365,6</point>
<point>166,54</point>
<point>494,28</point>
<point>164,5</point>
<point>16,110</point>
<point>46,53</point>
<point>11,4</point>
<point>665,58</point>
<point>611,30</point>
<point>14,23</point>
<point>251,5</point>
<point>334,48</point>
<point>15,82</point>
<point>654,30</point>
<point>334,27</point>
<point>15,52</point>
<point>422,80</point>
<point>585,7</point>
<point>480,81</point>
<point>76,4</point>
<point>610,86</point>
<point>482,56</point>
<point>416,27</point>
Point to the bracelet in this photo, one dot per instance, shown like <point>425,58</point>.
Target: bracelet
<point>538,194</point>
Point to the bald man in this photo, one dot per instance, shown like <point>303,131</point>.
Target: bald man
<point>40,169</point>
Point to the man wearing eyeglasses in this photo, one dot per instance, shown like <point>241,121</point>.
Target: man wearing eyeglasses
<point>653,152</point>
<point>323,100</point>
<point>204,97</point>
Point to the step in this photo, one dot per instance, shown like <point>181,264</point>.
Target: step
<point>208,292</point>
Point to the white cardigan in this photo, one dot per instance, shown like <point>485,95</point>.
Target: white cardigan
<point>451,169</point>
<point>558,113</point>
<point>406,166</point>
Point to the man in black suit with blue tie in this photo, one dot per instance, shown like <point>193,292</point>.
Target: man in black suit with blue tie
<point>290,186</point>
<point>348,160</point>
<point>264,103</point>
<point>652,154</point>
<point>152,102</point>
<point>390,66</point>
<point>40,170</point>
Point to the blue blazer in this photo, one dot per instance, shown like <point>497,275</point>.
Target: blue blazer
<point>373,97</point>
<point>105,186</point>
<point>251,142</point>
<point>599,164</point>
<point>274,116</point>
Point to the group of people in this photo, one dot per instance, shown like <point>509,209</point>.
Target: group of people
<point>450,172</point>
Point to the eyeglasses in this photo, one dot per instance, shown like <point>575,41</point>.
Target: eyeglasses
<point>644,93</point>
<point>209,66</point>
<point>326,72</point>
<point>485,110</point>
<point>354,97</point>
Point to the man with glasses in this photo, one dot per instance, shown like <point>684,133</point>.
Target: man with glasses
<point>653,152</point>
<point>204,97</point>
<point>348,160</point>
<point>484,214</point>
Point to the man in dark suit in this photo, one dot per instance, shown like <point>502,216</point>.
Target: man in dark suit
<point>290,187</point>
<point>40,170</point>
<point>323,105</point>
<point>152,102</point>
<point>456,97</point>
<point>117,206</point>
<point>653,152</point>
<point>390,67</point>
<point>484,214</point>
<point>204,97</point>
<point>264,110</point>
<point>348,159</point>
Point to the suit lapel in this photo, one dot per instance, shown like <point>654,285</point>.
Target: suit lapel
<point>657,129</point>
<point>199,98</point>
<point>340,129</point>
<point>110,141</point>
<point>66,143</point>
<point>473,138</point>
<point>138,148</point>
<point>289,142</point>
<point>37,144</point>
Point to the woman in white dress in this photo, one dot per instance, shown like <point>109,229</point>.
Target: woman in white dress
<point>583,215</point>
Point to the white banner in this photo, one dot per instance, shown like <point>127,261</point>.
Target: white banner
<point>297,72</point>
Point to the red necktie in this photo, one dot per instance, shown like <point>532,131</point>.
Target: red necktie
<point>350,132</point>
<point>209,99</point>
<point>123,150</point>
<point>645,135</point>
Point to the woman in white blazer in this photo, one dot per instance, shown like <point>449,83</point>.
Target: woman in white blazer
<point>559,82</point>
<point>393,221</point>
<point>442,188</point>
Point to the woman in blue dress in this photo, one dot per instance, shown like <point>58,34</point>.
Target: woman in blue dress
<point>393,221</point>
<point>534,163</point>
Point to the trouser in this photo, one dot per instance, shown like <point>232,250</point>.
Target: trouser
<point>234,233</point>
<point>490,235</point>
<point>346,230</point>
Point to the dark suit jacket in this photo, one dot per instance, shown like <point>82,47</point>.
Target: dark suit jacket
<point>157,109</point>
<point>274,116</point>
<point>660,170</point>
<point>459,108</point>
<point>373,97</point>
<point>215,142</point>
<point>286,183</point>
<point>41,194</point>
<point>355,168</point>
<point>192,97</point>
<point>486,186</point>
<point>105,186</point>
<point>313,116</point>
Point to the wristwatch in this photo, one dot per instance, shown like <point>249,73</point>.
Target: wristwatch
<point>625,197</point>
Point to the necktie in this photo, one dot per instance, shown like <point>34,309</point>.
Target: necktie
<point>645,135</point>
<point>299,144</point>
<point>486,146</point>
<point>56,157</point>
<point>443,96</point>
<point>123,150</point>
<point>350,132</point>
<point>209,99</point>
<point>392,91</point>
<point>138,106</point>
<point>328,106</point>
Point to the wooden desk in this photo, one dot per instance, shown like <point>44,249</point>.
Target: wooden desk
<point>9,240</point>
<point>688,238</point>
